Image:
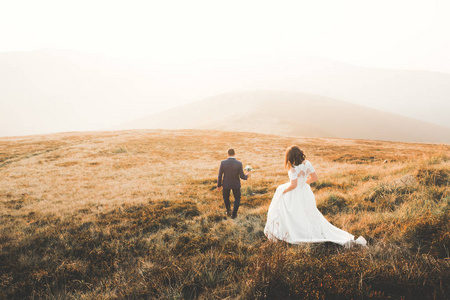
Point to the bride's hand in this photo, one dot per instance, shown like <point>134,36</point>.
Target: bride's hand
<point>312,178</point>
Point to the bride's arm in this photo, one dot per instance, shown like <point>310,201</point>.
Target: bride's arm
<point>292,186</point>
<point>312,178</point>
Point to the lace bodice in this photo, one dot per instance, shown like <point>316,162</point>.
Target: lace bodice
<point>301,172</point>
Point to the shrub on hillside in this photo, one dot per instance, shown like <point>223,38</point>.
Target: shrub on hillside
<point>433,176</point>
<point>387,196</point>
<point>430,234</point>
<point>322,184</point>
<point>333,204</point>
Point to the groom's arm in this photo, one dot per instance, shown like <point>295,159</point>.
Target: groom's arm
<point>219,179</point>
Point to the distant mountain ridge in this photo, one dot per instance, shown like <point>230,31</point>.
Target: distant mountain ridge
<point>295,114</point>
<point>57,90</point>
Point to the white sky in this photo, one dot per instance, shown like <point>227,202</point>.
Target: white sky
<point>389,34</point>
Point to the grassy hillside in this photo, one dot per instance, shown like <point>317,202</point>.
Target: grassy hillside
<point>135,214</point>
<point>292,114</point>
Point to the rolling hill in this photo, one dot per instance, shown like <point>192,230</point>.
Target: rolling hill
<point>294,114</point>
<point>136,215</point>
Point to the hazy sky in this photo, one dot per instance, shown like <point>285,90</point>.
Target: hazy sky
<point>389,34</point>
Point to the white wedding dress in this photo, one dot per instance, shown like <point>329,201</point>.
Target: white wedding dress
<point>293,217</point>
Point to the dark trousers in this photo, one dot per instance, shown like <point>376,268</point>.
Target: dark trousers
<point>237,199</point>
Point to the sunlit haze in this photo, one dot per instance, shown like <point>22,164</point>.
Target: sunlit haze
<point>393,34</point>
<point>160,54</point>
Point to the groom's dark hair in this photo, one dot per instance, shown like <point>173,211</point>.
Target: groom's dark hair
<point>231,152</point>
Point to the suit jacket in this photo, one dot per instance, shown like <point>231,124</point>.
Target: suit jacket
<point>231,170</point>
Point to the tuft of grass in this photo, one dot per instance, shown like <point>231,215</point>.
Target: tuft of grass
<point>429,235</point>
<point>247,191</point>
<point>437,159</point>
<point>434,176</point>
<point>333,204</point>
<point>388,196</point>
<point>322,184</point>
<point>369,177</point>
<point>120,150</point>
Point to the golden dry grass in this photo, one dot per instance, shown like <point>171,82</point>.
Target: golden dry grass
<point>134,214</point>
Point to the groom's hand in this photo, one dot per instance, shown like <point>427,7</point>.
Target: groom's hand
<point>219,188</point>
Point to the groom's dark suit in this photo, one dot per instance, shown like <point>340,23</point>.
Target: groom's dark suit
<point>231,171</point>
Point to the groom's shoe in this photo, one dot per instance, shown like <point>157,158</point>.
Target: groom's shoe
<point>228,213</point>
<point>234,216</point>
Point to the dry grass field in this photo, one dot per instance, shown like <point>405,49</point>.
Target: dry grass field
<point>135,215</point>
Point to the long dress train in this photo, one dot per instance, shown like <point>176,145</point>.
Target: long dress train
<point>293,217</point>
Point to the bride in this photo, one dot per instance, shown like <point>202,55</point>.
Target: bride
<point>293,216</point>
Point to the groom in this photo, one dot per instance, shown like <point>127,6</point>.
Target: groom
<point>231,170</point>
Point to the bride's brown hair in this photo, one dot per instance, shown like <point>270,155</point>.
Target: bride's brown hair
<point>294,157</point>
